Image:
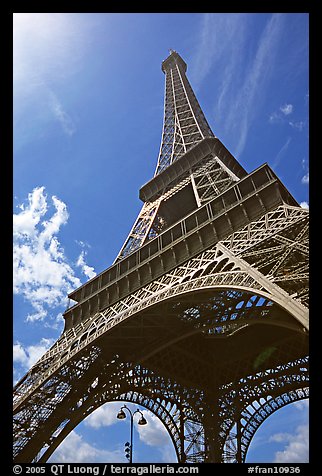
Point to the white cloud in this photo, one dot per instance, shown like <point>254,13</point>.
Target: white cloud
<point>87,270</point>
<point>296,444</point>
<point>154,433</point>
<point>82,244</point>
<point>305,179</point>
<point>25,357</point>
<point>75,450</point>
<point>279,117</point>
<point>20,355</point>
<point>25,222</point>
<point>296,448</point>
<point>104,415</point>
<point>286,109</point>
<point>302,404</point>
<point>42,275</point>
<point>304,205</point>
<point>168,454</point>
<point>28,356</point>
<point>279,437</point>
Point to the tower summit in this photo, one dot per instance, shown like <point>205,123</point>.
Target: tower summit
<point>172,60</point>
<point>202,318</point>
<point>184,123</point>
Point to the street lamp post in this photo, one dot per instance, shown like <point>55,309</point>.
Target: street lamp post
<point>142,421</point>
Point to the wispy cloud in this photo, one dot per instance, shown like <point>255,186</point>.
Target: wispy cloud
<point>281,152</point>
<point>211,49</point>
<point>47,49</point>
<point>243,77</point>
<point>66,122</point>
<point>29,355</point>
<point>47,46</point>
<point>257,77</point>
<point>42,274</point>
<point>285,436</point>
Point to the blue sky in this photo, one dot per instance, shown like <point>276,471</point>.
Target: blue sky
<point>88,112</point>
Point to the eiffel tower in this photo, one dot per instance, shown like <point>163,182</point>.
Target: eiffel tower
<point>203,316</point>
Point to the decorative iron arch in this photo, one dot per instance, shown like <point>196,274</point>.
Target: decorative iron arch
<point>167,409</point>
<point>267,409</point>
<point>253,412</point>
<point>263,411</point>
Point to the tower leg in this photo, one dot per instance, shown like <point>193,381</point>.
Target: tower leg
<point>213,445</point>
<point>238,442</point>
<point>182,438</point>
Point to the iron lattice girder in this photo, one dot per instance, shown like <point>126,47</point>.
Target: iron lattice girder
<point>199,159</point>
<point>218,219</point>
<point>253,414</point>
<point>79,337</point>
<point>208,167</point>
